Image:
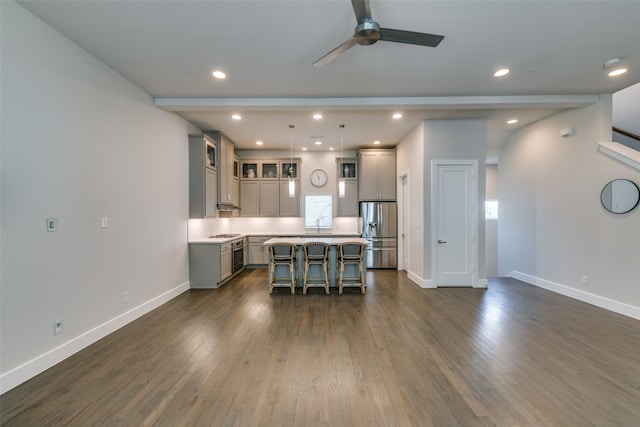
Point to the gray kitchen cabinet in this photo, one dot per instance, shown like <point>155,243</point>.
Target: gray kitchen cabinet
<point>211,199</point>
<point>225,260</point>
<point>249,198</point>
<point>347,171</point>
<point>348,205</point>
<point>269,198</point>
<point>258,252</point>
<point>377,175</point>
<point>225,176</point>
<point>264,187</point>
<point>235,193</point>
<point>203,183</point>
<point>209,264</point>
<point>289,206</point>
<point>259,198</point>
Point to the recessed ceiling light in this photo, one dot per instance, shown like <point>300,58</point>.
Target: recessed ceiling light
<point>236,117</point>
<point>376,142</point>
<point>512,121</point>
<point>318,142</point>
<point>219,74</point>
<point>330,148</point>
<point>259,142</point>
<point>397,116</point>
<point>304,148</point>
<point>501,72</point>
<point>617,72</point>
<point>317,116</point>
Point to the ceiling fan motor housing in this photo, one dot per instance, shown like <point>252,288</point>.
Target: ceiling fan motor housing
<point>367,32</point>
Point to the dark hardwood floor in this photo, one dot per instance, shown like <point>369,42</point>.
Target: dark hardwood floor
<point>510,355</point>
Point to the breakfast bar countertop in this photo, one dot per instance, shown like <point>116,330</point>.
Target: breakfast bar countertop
<point>333,241</point>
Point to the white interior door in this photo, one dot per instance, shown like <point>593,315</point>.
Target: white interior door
<point>454,226</point>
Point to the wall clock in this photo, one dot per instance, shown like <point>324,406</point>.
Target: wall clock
<point>318,178</point>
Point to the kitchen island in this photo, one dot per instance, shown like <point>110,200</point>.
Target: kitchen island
<point>333,242</point>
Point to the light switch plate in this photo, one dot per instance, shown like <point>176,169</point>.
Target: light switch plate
<point>52,224</point>
<point>104,222</point>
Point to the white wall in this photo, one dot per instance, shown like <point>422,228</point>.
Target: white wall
<point>438,140</point>
<point>79,142</point>
<point>491,226</point>
<point>552,227</point>
<point>455,140</point>
<point>409,161</point>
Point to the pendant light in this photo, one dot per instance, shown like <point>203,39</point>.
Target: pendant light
<point>341,183</point>
<point>292,183</point>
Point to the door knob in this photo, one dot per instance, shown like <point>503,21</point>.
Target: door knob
<point>442,241</point>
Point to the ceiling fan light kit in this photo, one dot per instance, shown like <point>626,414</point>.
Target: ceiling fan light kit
<point>368,31</point>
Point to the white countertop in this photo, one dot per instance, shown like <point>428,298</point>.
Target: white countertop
<point>302,240</point>
<point>285,236</point>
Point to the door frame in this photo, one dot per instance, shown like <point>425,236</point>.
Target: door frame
<point>403,211</point>
<point>474,188</point>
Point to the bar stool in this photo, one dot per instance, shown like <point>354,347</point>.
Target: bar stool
<point>351,253</point>
<point>316,253</point>
<point>282,255</point>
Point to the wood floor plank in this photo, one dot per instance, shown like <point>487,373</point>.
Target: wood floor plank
<point>399,355</point>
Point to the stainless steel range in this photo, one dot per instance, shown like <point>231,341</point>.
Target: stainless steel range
<point>224,236</point>
<point>237,259</point>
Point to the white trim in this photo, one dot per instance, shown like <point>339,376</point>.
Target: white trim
<point>33,367</point>
<point>482,283</point>
<point>377,103</point>
<point>476,224</point>
<point>621,153</point>
<point>423,283</point>
<point>597,300</point>
<point>403,177</point>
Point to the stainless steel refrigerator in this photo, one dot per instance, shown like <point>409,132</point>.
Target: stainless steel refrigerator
<point>380,229</point>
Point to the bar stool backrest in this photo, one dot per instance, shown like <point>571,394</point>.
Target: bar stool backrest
<point>316,251</point>
<point>351,251</point>
<point>282,251</point>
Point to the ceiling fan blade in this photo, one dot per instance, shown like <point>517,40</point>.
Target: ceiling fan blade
<point>410,37</point>
<point>335,52</point>
<point>361,9</point>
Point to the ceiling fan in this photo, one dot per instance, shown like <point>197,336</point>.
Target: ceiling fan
<point>368,32</point>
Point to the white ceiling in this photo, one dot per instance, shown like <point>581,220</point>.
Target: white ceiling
<point>170,47</point>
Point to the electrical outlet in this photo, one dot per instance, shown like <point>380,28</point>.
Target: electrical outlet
<point>57,327</point>
<point>585,279</point>
<point>125,297</point>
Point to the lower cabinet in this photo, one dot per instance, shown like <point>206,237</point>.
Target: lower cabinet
<point>258,252</point>
<point>209,264</point>
<point>226,259</point>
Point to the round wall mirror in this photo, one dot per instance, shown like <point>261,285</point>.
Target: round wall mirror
<point>620,196</point>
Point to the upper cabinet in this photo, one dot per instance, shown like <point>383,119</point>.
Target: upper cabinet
<point>203,191</point>
<point>347,169</point>
<point>264,187</point>
<point>226,158</point>
<point>377,179</point>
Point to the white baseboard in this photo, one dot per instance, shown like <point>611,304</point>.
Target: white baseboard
<point>599,301</point>
<point>482,283</point>
<point>33,367</point>
<point>423,283</point>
